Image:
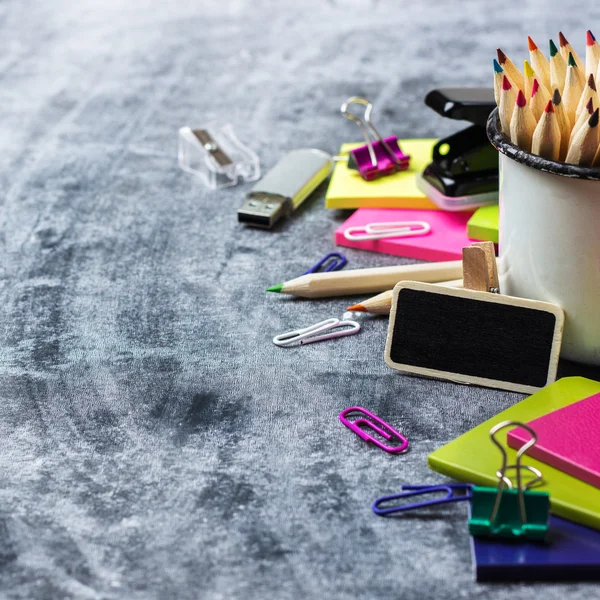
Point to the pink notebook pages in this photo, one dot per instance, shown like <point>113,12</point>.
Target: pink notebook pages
<point>445,241</point>
<point>568,439</point>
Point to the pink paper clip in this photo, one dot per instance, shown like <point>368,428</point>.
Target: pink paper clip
<point>380,429</point>
<point>376,158</point>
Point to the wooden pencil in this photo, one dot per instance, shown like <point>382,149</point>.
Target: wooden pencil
<point>367,281</point>
<point>546,137</point>
<point>589,91</point>
<point>563,124</point>
<point>592,54</point>
<point>539,99</point>
<point>566,49</point>
<point>583,117</point>
<point>573,89</point>
<point>515,76</point>
<point>522,124</point>
<point>499,74</point>
<point>558,68</point>
<point>382,303</point>
<point>584,146</point>
<point>507,104</point>
<point>539,62</point>
<point>528,77</point>
<point>596,162</point>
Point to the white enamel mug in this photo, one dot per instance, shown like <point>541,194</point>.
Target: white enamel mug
<point>550,240</point>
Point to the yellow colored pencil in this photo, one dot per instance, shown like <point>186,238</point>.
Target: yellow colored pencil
<point>528,76</point>
<point>584,146</point>
<point>546,137</point>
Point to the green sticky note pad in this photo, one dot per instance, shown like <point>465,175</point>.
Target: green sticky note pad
<point>475,459</point>
<point>483,225</point>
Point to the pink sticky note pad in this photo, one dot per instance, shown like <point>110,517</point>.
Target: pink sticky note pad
<point>568,439</point>
<point>445,241</point>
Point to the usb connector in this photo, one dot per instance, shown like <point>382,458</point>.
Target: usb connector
<point>263,210</point>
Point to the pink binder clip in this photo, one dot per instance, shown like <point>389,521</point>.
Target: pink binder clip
<point>382,429</point>
<point>376,158</point>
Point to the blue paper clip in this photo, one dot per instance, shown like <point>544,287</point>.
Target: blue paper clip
<point>416,490</point>
<point>334,261</point>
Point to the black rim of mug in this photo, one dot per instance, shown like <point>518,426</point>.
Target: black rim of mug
<point>504,145</point>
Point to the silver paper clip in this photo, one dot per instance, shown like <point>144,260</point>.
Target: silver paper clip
<point>308,335</point>
<point>378,231</point>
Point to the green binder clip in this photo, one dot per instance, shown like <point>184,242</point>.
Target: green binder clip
<point>511,513</point>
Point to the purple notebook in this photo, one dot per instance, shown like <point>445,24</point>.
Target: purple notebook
<point>572,553</point>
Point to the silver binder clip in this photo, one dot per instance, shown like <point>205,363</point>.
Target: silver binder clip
<point>215,154</point>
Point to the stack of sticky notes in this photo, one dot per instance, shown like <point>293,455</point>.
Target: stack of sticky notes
<point>474,458</point>
<point>445,241</point>
<point>566,419</point>
<point>396,198</point>
<point>347,189</point>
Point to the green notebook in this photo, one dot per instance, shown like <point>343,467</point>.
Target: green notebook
<point>483,225</point>
<point>473,457</point>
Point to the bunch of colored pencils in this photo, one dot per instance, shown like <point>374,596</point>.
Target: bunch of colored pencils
<point>552,108</point>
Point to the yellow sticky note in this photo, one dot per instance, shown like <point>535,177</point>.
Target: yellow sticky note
<point>475,459</point>
<point>347,189</point>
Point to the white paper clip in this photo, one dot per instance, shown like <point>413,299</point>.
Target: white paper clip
<point>307,335</point>
<point>378,231</point>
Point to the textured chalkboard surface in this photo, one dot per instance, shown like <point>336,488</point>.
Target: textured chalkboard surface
<point>471,337</point>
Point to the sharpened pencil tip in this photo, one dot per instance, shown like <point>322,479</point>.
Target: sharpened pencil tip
<point>357,308</point>
<point>275,288</point>
<point>562,40</point>
<point>571,61</point>
<point>535,87</point>
<point>553,49</point>
<point>590,106</point>
<point>549,107</point>
<point>591,82</point>
<point>593,122</point>
<point>529,72</point>
<point>506,83</point>
<point>556,99</point>
<point>589,38</point>
<point>501,56</point>
<point>497,67</point>
<point>532,45</point>
<point>521,101</point>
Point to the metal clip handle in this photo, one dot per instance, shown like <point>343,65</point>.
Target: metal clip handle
<point>365,125</point>
<point>517,466</point>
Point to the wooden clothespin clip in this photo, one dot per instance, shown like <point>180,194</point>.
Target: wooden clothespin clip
<point>479,268</point>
